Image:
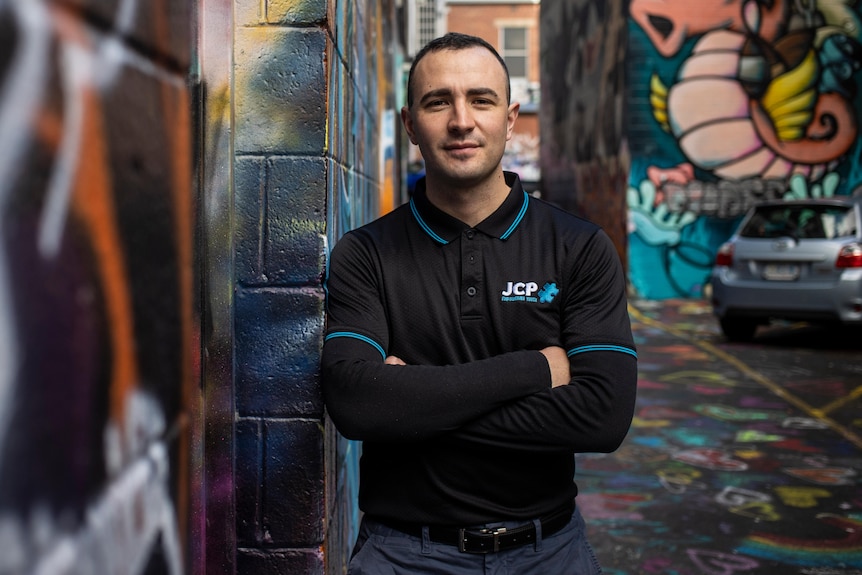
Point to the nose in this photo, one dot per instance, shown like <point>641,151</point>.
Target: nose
<point>461,119</point>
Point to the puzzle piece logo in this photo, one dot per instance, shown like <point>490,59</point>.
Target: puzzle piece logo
<point>548,293</point>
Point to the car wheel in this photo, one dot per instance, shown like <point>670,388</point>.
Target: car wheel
<point>736,329</point>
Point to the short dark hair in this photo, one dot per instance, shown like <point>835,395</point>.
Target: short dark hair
<point>455,41</point>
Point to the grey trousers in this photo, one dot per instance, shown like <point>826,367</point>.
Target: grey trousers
<point>381,550</point>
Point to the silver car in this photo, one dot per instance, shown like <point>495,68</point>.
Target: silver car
<point>792,260</point>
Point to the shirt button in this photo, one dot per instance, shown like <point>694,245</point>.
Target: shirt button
<point>471,291</point>
<point>470,234</point>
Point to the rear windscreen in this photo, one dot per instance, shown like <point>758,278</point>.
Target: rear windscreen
<point>815,222</point>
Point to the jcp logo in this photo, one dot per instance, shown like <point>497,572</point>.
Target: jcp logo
<point>521,288</point>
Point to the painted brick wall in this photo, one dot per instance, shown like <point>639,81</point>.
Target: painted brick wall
<point>280,207</point>
<point>108,118</point>
<point>308,100</point>
<point>98,376</point>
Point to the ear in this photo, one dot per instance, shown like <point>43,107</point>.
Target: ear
<point>407,120</point>
<point>511,116</point>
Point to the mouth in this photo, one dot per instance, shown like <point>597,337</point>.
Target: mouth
<point>663,26</point>
<point>461,146</point>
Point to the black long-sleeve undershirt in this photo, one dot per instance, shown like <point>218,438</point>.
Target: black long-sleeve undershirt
<point>470,430</point>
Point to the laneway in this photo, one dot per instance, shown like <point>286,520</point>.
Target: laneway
<point>742,460</point>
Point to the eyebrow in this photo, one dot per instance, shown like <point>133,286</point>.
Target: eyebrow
<point>447,92</point>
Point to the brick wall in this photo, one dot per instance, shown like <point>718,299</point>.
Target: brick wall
<point>137,434</point>
<point>311,81</point>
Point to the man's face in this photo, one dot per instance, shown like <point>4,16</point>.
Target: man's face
<point>460,118</point>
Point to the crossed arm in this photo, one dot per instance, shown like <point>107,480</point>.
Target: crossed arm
<point>558,363</point>
<point>581,399</point>
<point>525,399</point>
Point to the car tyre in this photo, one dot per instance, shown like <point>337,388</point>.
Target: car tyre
<point>738,329</point>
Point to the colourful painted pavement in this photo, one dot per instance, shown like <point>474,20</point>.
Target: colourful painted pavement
<point>743,459</point>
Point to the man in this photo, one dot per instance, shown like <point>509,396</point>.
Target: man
<point>477,339</point>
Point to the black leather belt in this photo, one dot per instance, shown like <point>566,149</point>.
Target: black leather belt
<point>488,539</point>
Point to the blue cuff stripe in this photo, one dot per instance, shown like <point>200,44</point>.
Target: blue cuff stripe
<point>367,340</point>
<point>587,348</point>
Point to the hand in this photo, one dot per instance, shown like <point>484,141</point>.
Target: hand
<point>393,360</point>
<point>558,361</point>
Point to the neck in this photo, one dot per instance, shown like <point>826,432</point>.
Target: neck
<point>471,205</point>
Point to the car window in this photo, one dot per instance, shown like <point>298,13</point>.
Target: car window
<point>813,222</point>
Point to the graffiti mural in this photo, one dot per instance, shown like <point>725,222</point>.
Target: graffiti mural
<point>97,325</point>
<point>733,102</point>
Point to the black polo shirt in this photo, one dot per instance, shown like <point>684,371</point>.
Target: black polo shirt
<point>470,431</point>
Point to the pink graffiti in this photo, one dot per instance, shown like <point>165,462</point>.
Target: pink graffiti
<point>718,563</point>
<point>661,412</point>
<point>759,403</point>
<point>833,387</point>
<point>656,565</point>
<point>710,459</point>
<point>682,174</point>
<point>796,445</point>
<point>709,390</point>
<point>647,384</point>
<point>824,475</point>
<point>670,23</point>
<point>611,506</point>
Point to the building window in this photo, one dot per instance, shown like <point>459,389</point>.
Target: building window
<point>514,51</point>
<point>426,21</point>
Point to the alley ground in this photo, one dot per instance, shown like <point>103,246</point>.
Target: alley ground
<point>743,459</point>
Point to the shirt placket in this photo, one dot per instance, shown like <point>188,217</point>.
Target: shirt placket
<point>472,288</point>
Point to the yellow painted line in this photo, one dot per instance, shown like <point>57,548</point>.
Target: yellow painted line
<point>819,414</point>
<point>838,403</point>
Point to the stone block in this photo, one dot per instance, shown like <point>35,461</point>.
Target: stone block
<point>278,337</point>
<point>304,561</point>
<point>295,221</point>
<point>295,11</point>
<point>249,186</point>
<point>280,90</point>
<point>248,476</point>
<point>293,472</point>
<point>248,13</point>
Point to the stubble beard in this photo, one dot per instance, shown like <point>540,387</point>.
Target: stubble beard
<point>466,174</point>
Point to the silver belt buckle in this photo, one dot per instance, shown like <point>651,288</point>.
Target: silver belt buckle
<point>496,532</point>
<point>462,542</point>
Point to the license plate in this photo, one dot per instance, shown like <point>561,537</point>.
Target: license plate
<point>781,272</point>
